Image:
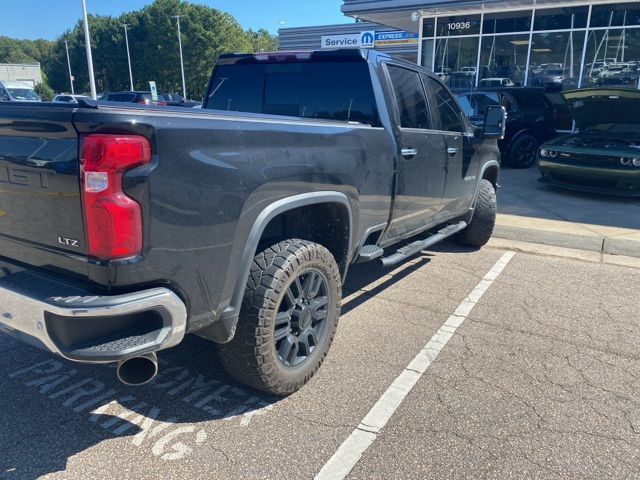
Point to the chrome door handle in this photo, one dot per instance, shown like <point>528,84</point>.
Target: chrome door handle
<point>452,151</point>
<point>409,152</point>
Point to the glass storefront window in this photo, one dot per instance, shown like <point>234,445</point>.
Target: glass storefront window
<point>503,60</point>
<point>615,15</point>
<point>427,53</point>
<point>612,58</point>
<point>428,27</point>
<point>550,56</point>
<point>555,60</point>
<point>456,61</point>
<point>460,25</point>
<point>507,22</point>
<point>561,18</point>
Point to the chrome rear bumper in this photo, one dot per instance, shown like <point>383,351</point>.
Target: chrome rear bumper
<point>90,328</point>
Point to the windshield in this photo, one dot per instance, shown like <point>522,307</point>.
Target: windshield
<point>23,94</point>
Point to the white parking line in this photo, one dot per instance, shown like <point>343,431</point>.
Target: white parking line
<point>351,450</point>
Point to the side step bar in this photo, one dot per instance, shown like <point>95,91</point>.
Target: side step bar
<point>416,247</point>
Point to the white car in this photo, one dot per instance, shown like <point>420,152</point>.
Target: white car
<point>497,82</point>
<point>68,98</point>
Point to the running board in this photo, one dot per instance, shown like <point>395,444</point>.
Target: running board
<point>416,247</point>
<point>368,253</point>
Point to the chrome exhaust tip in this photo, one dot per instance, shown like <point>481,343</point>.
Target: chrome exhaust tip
<point>137,371</point>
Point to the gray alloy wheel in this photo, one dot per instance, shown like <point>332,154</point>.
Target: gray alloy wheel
<point>288,318</point>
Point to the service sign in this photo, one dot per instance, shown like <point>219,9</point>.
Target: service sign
<point>353,40</point>
<point>396,39</point>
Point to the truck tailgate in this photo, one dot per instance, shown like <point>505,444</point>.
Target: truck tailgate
<point>39,177</point>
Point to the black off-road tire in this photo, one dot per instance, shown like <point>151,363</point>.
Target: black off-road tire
<point>480,230</point>
<point>523,152</point>
<point>251,357</point>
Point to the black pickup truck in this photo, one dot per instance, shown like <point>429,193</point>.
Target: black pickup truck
<point>122,228</point>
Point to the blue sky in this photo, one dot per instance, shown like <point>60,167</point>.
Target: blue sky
<point>49,18</point>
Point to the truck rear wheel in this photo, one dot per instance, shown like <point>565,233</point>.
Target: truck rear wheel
<point>288,318</point>
<point>480,230</point>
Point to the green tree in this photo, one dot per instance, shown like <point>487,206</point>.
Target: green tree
<point>153,40</point>
<point>262,41</point>
<point>45,92</point>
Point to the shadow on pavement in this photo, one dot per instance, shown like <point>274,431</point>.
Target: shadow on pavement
<point>52,409</point>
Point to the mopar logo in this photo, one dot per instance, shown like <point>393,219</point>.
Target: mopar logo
<point>368,40</point>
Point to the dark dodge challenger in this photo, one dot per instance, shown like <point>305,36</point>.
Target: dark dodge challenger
<point>603,155</point>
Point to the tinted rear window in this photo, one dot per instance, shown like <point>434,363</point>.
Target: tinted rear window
<point>329,91</point>
<point>120,97</point>
<point>530,100</point>
<point>411,98</point>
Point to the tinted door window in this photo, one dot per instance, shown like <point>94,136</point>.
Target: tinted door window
<point>4,96</point>
<point>324,90</point>
<point>120,97</point>
<point>449,114</point>
<point>475,104</point>
<point>411,99</point>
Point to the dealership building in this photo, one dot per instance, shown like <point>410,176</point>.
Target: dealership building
<point>554,44</point>
<point>30,73</point>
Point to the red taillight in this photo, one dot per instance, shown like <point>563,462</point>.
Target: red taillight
<point>113,221</point>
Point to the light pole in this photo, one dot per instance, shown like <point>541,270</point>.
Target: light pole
<point>66,46</point>
<point>184,87</point>
<point>126,39</point>
<point>87,41</point>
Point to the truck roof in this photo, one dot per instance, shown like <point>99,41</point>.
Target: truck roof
<point>332,55</point>
<point>325,55</point>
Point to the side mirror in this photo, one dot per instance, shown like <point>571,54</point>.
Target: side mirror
<point>495,122</point>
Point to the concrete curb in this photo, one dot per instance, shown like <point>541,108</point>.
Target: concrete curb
<point>589,243</point>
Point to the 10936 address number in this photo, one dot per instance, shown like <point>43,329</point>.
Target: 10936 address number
<point>459,25</point>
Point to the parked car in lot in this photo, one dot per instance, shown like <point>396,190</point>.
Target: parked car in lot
<point>69,98</point>
<point>603,155</point>
<point>141,98</point>
<point>530,120</point>
<point>618,74</point>
<point>555,80</point>
<point>174,100</point>
<point>11,91</point>
<point>547,66</point>
<point>239,221</point>
<point>497,82</point>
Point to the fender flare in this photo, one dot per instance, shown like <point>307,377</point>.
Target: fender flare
<point>224,329</point>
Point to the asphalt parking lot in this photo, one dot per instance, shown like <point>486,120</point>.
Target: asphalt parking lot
<point>539,380</point>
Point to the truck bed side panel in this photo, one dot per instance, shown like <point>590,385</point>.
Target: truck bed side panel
<point>213,175</point>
